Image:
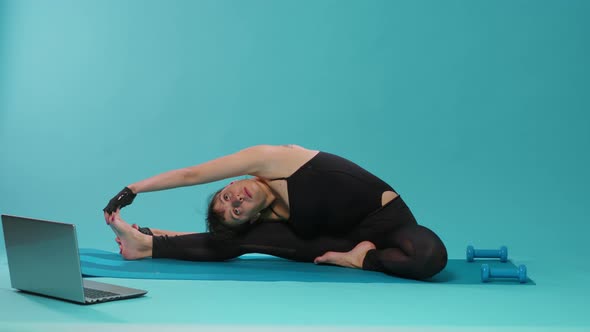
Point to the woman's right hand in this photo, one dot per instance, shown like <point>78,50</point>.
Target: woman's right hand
<point>123,198</point>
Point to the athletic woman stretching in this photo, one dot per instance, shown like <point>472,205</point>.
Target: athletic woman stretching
<point>299,204</point>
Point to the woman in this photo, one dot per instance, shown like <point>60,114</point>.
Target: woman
<point>300,204</point>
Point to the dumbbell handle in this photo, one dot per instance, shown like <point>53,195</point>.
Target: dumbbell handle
<point>501,253</point>
<point>487,272</point>
<point>486,253</point>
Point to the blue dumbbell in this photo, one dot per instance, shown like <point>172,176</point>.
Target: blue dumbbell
<point>484,253</point>
<point>487,273</point>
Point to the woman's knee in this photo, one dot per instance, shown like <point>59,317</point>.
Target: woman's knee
<point>430,254</point>
<point>436,261</point>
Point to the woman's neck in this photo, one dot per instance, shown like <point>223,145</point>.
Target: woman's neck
<point>276,208</point>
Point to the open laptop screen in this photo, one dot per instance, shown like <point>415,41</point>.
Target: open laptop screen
<point>43,257</point>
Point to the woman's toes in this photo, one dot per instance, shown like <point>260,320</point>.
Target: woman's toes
<point>325,258</point>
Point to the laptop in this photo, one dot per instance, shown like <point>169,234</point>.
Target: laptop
<point>43,259</point>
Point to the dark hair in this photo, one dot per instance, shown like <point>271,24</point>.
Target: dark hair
<point>217,226</point>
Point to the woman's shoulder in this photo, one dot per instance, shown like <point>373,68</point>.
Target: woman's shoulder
<point>293,146</point>
<point>284,149</point>
<point>284,160</point>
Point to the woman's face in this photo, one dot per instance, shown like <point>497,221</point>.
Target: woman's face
<point>241,201</point>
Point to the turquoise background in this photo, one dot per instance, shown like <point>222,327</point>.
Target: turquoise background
<point>477,112</point>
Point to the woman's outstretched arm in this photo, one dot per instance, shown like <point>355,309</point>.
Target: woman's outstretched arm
<point>260,161</point>
<point>249,161</point>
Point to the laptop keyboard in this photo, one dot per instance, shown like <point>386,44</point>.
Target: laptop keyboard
<point>97,294</point>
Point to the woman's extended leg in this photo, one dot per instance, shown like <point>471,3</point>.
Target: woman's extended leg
<point>275,239</point>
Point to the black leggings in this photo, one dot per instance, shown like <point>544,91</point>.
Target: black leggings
<point>404,248</point>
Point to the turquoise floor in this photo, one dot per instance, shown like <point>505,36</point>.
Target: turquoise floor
<point>557,302</point>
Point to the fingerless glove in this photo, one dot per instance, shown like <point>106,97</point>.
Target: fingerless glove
<point>123,198</point>
<point>145,230</point>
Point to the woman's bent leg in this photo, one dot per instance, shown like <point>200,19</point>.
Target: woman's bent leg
<point>412,251</point>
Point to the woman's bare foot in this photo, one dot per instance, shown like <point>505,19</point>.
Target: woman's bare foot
<point>353,258</point>
<point>132,243</point>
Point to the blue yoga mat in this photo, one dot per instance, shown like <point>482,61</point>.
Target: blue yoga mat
<point>255,267</point>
